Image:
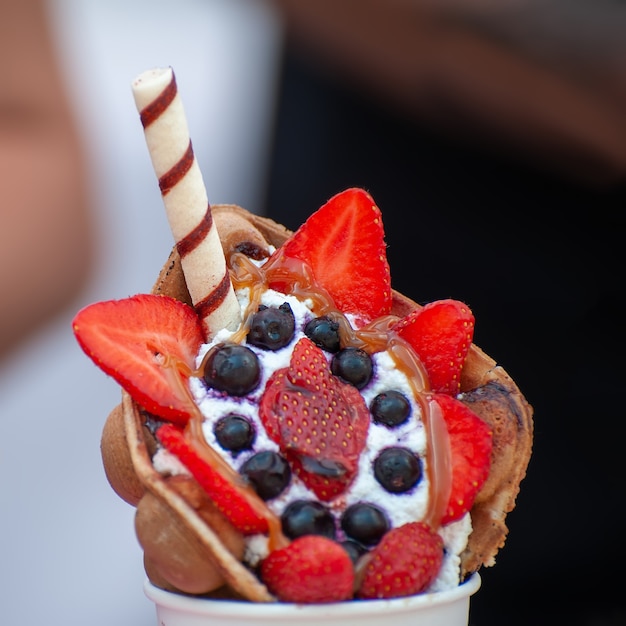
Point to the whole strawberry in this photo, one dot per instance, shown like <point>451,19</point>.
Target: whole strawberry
<point>311,569</point>
<point>404,563</point>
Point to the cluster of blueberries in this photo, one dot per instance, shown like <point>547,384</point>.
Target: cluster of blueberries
<point>235,369</point>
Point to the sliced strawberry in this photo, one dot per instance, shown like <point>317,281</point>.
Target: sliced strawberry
<point>148,344</point>
<point>312,569</point>
<point>227,497</point>
<point>441,334</point>
<point>404,563</point>
<point>343,244</point>
<point>471,442</point>
<point>319,422</point>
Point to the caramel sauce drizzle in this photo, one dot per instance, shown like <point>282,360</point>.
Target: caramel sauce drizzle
<point>295,278</point>
<point>177,374</point>
<point>376,336</point>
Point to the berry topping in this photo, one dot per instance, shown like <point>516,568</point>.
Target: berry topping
<point>404,563</point>
<point>397,469</point>
<point>471,442</point>
<point>441,334</point>
<point>307,517</point>
<point>365,523</point>
<point>267,472</point>
<point>312,569</point>
<point>354,366</point>
<point>148,344</point>
<point>355,550</point>
<point>234,433</point>
<point>319,422</point>
<point>227,496</point>
<point>324,333</point>
<point>390,408</point>
<point>232,368</point>
<point>272,328</point>
<point>343,244</point>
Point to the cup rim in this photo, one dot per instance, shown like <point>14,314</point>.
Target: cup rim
<point>354,608</point>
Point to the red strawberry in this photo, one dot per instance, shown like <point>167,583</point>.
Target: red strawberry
<point>404,563</point>
<point>319,422</point>
<point>471,442</point>
<point>441,333</point>
<point>148,344</point>
<point>343,244</point>
<point>227,497</point>
<point>312,569</point>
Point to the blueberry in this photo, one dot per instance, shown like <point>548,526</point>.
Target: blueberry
<point>234,433</point>
<point>324,333</point>
<point>354,366</point>
<point>365,523</point>
<point>267,472</point>
<point>232,368</point>
<point>390,408</point>
<point>307,517</point>
<point>355,550</point>
<point>272,328</point>
<point>397,469</point>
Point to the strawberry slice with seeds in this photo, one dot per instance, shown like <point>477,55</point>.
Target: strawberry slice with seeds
<point>404,563</point>
<point>312,569</point>
<point>441,334</point>
<point>319,422</point>
<point>471,443</point>
<point>343,244</point>
<point>227,497</point>
<point>148,344</point>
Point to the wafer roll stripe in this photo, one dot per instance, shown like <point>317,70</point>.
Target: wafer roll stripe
<point>184,196</point>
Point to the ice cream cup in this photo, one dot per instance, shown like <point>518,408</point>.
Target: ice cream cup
<point>185,552</point>
<point>444,608</point>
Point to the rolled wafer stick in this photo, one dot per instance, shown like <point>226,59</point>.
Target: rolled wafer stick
<point>184,195</point>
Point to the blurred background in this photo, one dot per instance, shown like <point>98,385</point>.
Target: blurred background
<point>68,551</point>
<point>492,136</point>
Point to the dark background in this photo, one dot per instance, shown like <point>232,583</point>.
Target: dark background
<point>537,255</point>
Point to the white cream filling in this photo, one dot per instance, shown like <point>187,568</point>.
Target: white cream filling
<point>400,508</point>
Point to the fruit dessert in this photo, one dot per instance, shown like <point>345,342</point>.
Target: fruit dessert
<point>291,428</point>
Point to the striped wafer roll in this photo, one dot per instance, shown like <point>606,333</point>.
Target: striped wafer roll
<point>185,198</point>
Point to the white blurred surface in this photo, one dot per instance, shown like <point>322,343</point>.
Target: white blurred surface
<point>68,552</point>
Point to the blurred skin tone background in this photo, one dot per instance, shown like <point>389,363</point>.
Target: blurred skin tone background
<point>491,134</point>
<point>45,237</point>
<point>82,220</point>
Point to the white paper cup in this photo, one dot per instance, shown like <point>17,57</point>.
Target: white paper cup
<point>446,608</point>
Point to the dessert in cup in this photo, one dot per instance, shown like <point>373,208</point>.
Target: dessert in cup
<point>292,430</point>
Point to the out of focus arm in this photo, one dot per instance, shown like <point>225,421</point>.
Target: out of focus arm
<point>44,214</point>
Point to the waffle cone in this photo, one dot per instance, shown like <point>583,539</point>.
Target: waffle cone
<point>190,547</point>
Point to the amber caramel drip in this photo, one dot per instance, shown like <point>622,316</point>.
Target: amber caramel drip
<point>210,456</point>
<point>177,374</point>
<point>294,277</point>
